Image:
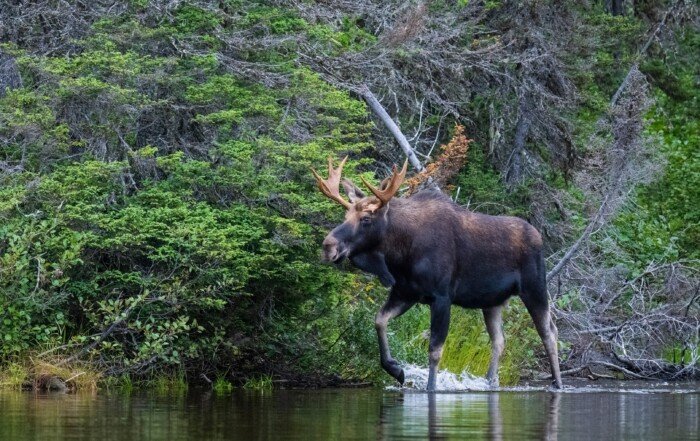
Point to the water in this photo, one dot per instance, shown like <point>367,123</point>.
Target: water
<point>600,411</point>
<point>416,377</point>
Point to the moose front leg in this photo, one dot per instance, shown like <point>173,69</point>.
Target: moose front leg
<point>439,325</point>
<point>393,307</point>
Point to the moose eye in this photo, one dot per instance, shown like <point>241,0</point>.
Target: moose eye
<point>366,220</point>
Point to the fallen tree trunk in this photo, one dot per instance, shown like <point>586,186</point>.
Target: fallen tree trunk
<point>389,123</point>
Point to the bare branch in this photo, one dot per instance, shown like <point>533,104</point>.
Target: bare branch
<point>389,123</point>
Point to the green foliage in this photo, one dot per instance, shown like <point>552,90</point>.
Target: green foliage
<point>169,384</point>
<point>349,37</point>
<point>468,346</point>
<point>13,375</point>
<point>123,383</point>
<point>276,20</point>
<point>481,188</point>
<point>263,382</point>
<point>221,386</point>
<point>679,355</point>
<point>153,251</point>
<point>664,223</point>
<point>32,133</point>
<point>191,19</point>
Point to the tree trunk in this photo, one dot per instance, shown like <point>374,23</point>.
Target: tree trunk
<point>522,129</point>
<point>9,74</point>
<point>379,110</point>
<point>617,7</point>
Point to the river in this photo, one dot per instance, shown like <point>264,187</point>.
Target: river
<point>597,411</point>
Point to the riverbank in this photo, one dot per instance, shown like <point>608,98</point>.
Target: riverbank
<point>62,376</point>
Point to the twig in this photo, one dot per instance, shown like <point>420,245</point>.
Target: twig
<point>99,340</point>
<point>623,370</point>
<point>643,51</point>
<point>74,376</point>
<point>567,372</point>
<point>586,233</point>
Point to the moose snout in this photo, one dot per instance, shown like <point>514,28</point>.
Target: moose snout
<point>332,251</point>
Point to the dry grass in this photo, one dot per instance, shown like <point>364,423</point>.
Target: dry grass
<point>13,376</point>
<point>74,376</point>
<point>49,374</point>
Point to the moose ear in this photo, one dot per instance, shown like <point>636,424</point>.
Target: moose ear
<point>354,193</point>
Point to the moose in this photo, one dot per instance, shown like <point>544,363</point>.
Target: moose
<point>429,250</point>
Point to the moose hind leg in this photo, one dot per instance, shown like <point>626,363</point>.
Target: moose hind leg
<point>548,333</point>
<point>439,326</point>
<point>494,326</point>
<point>392,308</point>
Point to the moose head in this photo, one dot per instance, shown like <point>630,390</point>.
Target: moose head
<point>365,216</point>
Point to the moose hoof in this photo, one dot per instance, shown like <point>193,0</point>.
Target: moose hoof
<point>395,370</point>
<point>401,377</point>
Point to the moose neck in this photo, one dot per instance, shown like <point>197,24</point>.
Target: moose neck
<point>399,233</point>
<point>428,217</point>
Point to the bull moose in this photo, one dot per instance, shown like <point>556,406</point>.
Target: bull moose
<point>432,251</point>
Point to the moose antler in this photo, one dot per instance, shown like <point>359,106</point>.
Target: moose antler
<point>391,187</point>
<point>331,186</point>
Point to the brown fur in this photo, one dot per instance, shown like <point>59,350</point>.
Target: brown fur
<point>432,251</point>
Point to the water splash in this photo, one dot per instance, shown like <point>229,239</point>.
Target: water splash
<point>417,378</point>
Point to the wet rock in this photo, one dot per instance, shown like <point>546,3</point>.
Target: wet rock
<point>56,384</point>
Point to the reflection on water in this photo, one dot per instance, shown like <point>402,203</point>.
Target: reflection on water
<point>491,416</point>
<point>371,414</point>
